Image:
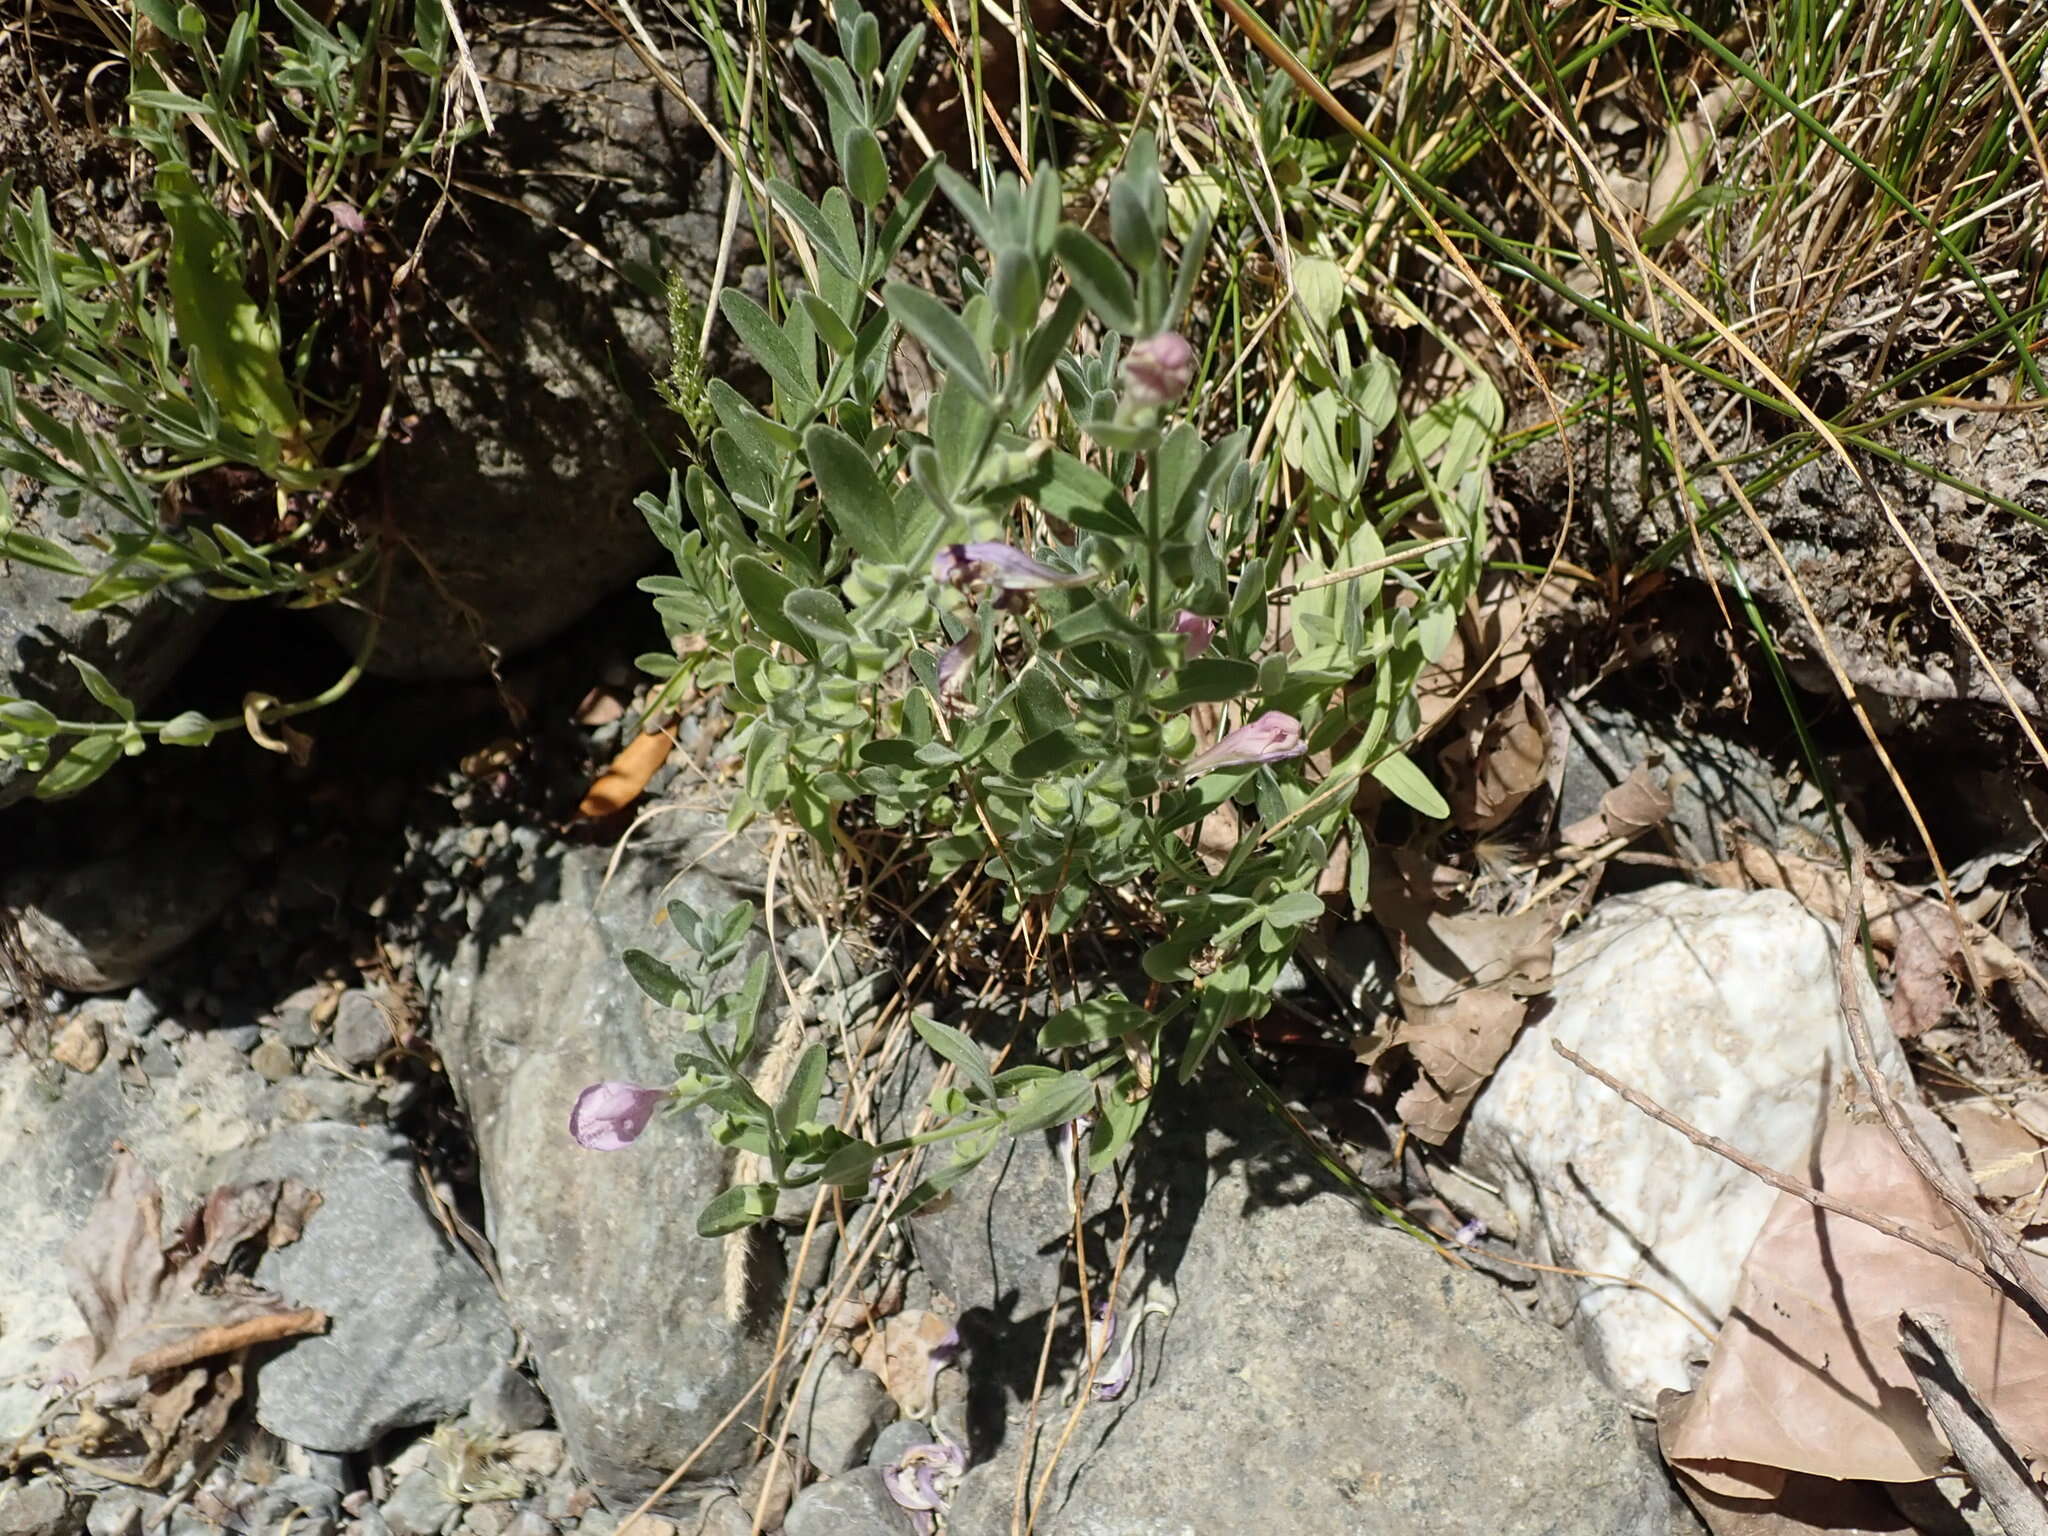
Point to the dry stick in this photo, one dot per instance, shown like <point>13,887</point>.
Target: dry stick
<point>229,1337</point>
<point>1784,1183</point>
<point>1974,1434</point>
<point>1998,1242</point>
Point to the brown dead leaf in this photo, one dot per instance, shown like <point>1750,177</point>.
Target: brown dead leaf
<point>1927,949</point>
<point>2003,1155</point>
<point>1631,808</point>
<point>621,784</point>
<point>1802,1505</point>
<point>907,1353</point>
<point>154,1378</point>
<point>1463,987</point>
<point>1504,620</point>
<point>1807,1376</point>
<point>1496,764</point>
<point>598,707</point>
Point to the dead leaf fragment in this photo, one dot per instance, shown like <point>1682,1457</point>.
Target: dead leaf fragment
<point>1807,1375</point>
<point>1630,809</point>
<point>907,1353</point>
<point>622,783</point>
<point>159,1374</point>
<point>1496,764</point>
<point>1463,988</point>
<point>2004,1157</point>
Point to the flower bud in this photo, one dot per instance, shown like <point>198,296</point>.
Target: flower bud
<point>1158,370</point>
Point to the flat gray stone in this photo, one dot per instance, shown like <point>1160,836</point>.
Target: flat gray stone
<point>853,1505</point>
<point>839,1411</point>
<point>416,1325</point>
<point>41,1506</point>
<point>619,1298</point>
<point>1320,1373</point>
<point>361,1033</point>
<point>100,926</point>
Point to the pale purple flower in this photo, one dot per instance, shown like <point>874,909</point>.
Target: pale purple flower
<point>956,662</point>
<point>1158,370</point>
<point>608,1116</point>
<point>346,218</point>
<point>923,1479</point>
<point>1002,566</point>
<point>1469,1233</point>
<point>1199,631</point>
<point>1272,738</point>
<point>1111,1376</point>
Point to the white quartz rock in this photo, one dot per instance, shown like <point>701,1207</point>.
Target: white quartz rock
<point>1723,1007</point>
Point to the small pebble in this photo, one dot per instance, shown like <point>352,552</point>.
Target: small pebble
<point>139,1011</point>
<point>273,1061</point>
<point>243,1037</point>
<point>361,1032</point>
<point>82,1044</point>
<point>893,1443</point>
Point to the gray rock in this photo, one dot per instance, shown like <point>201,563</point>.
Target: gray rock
<point>1320,1373</point>
<point>297,1099</point>
<point>416,1325</point>
<point>1714,780</point>
<point>853,1505</point>
<point>310,1506</point>
<point>140,1012</point>
<point>360,1031</point>
<point>139,644</point>
<point>508,1402</point>
<point>891,1443</point>
<point>41,1506</point>
<point>57,1132</point>
<point>419,1505</point>
<point>518,478</point>
<point>98,927</point>
<point>620,1299</point>
<point>839,1411</point>
<point>243,1037</point>
<point>121,1512</point>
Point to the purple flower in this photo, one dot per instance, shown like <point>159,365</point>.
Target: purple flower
<point>608,1116</point>
<point>1002,566</point>
<point>1199,631</point>
<point>957,661</point>
<point>1158,370</point>
<point>1273,737</point>
<point>923,1479</point>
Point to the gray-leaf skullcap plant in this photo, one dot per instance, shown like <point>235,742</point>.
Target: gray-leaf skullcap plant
<point>1272,738</point>
<point>1159,369</point>
<point>608,1116</point>
<point>1002,566</point>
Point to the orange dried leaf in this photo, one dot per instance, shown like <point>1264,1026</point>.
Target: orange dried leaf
<point>906,1354</point>
<point>622,783</point>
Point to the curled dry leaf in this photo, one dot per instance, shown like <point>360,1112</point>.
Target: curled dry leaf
<point>1492,645</point>
<point>1927,947</point>
<point>1497,763</point>
<point>1807,1375</point>
<point>1463,988</point>
<point>1630,809</point>
<point>621,784</point>
<point>159,1372</point>
<point>907,1353</point>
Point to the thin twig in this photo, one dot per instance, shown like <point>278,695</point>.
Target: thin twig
<point>1986,1452</point>
<point>1999,1243</point>
<point>1784,1183</point>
